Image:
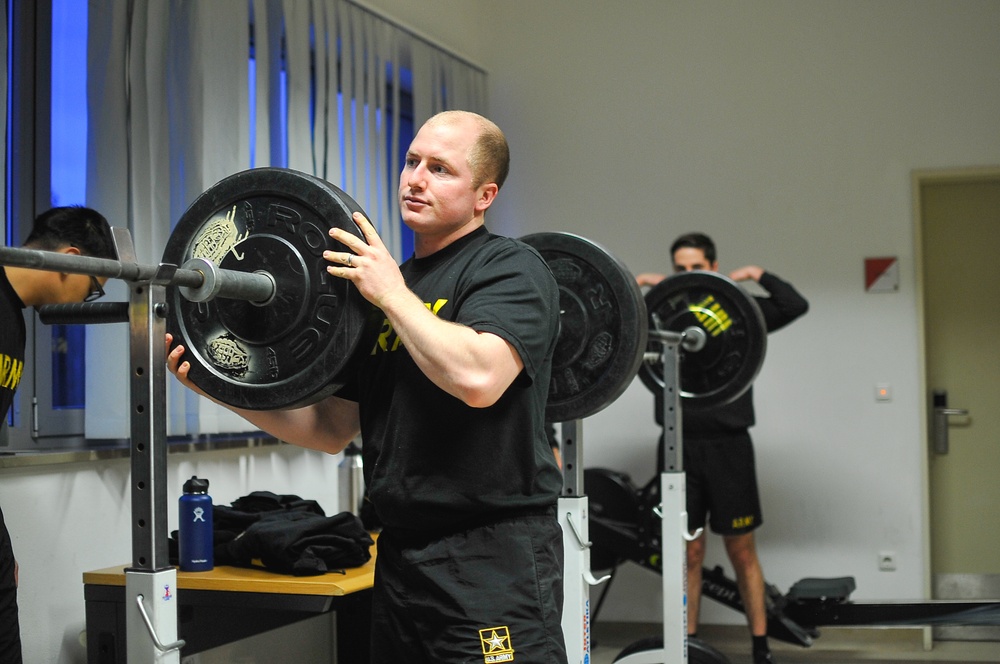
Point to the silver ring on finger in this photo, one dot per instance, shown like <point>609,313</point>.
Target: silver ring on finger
<point>349,257</point>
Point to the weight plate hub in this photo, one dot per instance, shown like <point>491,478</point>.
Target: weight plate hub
<point>736,337</point>
<point>294,349</point>
<point>602,326</point>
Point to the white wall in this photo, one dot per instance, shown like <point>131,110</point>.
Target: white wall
<point>788,131</point>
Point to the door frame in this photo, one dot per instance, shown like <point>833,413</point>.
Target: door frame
<point>920,178</point>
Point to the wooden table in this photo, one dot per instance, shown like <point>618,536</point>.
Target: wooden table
<point>231,603</point>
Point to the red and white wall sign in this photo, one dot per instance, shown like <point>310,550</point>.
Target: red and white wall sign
<point>882,275</point>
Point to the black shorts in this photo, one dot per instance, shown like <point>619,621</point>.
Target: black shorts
<point>722,484</point>
<point>10,635</point>
<point>489,594</point>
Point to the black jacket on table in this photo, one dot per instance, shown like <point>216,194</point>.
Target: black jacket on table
<point>782,305</point>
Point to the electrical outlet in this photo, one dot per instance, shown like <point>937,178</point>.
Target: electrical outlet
<point>887,561</point>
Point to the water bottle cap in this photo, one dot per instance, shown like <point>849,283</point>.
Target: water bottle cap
<point>196,485</point>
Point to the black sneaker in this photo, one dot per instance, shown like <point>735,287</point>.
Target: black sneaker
<point>763,658</point>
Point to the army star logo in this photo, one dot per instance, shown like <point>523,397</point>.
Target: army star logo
<point>496,645</point>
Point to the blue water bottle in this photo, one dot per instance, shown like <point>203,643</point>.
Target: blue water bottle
<point>195,532</point>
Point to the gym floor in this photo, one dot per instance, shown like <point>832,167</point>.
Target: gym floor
<point>835,644</point>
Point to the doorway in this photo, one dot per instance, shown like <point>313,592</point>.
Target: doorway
<point>958,232</point>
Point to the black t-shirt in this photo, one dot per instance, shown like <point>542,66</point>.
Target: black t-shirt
<point>433,464</point>
<point>12,340</point>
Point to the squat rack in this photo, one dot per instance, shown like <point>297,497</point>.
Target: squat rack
<point>150,581</point>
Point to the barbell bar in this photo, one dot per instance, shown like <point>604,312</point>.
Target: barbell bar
<point>199,280</point>
<point>691,339</point>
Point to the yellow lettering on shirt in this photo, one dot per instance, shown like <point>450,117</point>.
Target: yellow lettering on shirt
<point>10,372</point>
<point>388,341</point>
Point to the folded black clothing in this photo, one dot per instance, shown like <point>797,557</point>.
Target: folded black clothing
<point>265,501</point>
<point>285,533</point>
<point>299,543</point>
<point>250,508</point>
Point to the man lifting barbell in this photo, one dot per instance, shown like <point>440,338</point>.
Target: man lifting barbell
<point>449,397</point>
<point>718,452</point>
<point>66,230</point>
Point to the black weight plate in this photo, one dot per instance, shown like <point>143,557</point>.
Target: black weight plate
<point>295,349</point>
<point>602,330</point>
<point>736,337</point>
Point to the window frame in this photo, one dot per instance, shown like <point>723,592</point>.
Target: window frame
<point>36,425</point>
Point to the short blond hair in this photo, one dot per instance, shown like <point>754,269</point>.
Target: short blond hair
<point>489,156</point>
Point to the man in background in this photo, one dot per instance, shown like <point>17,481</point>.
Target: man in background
<point>66,230</point>
<point>718,453</point>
